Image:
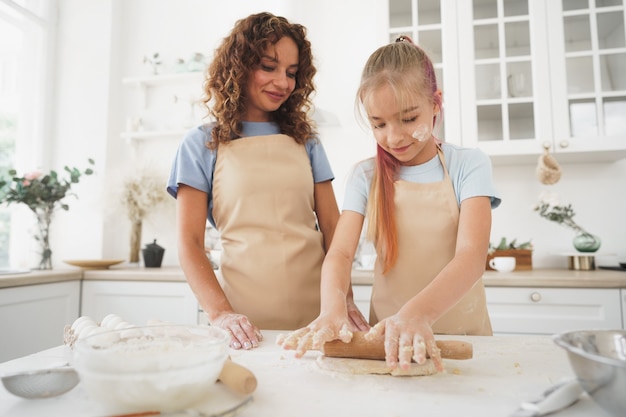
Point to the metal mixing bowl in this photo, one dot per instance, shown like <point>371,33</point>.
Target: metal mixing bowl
<point>598,358</point>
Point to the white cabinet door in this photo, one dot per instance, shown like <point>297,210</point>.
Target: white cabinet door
<point>553,310</point>
<point>32,317</point>
<point>137,302</point>
<point>587,80</point>
<point>362,295</point>
<point>521,75</point>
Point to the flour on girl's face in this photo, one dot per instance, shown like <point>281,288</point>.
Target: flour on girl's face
<point>422,133</point>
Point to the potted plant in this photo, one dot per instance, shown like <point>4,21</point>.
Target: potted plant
<point>522,252</point>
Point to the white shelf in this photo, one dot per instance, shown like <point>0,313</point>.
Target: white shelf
<point>153,134</point>
<point>173,78</point>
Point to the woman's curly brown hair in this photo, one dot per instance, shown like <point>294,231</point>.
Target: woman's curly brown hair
<point>239,54</point>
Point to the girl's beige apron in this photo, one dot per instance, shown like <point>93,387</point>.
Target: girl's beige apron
<point>427,221</point>
<point>272,252</point>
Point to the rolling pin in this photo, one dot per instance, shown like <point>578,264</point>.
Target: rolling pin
<point>360,348</point>
<point>238,378</point>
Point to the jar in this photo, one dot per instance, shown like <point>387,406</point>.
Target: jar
<point>153,255</point>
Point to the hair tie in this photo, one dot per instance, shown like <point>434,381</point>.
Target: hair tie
<point>404,38</point>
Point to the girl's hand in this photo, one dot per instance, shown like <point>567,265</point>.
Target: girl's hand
<point>313,337</point>
<point>243,333</point>
<point>406,339</point>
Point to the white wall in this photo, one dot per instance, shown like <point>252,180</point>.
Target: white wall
<point>102,41</point>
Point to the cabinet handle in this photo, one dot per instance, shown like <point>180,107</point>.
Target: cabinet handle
<point>535,297</point>
<point>564,144</point>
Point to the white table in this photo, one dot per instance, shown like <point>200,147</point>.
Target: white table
<point>505,371</point>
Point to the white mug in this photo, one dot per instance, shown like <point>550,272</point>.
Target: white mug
<point>503,263</point>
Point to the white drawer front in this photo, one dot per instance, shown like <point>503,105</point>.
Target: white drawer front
<point>553,310</point>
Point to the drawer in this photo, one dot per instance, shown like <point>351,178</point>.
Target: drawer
<point>553,310</point>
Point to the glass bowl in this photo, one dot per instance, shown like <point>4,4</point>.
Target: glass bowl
<point>156,368</point>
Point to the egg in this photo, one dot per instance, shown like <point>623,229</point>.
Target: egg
<point>82,320</point>
<point>79,326</point>
<point>112,321</point>
<point>85,331</point>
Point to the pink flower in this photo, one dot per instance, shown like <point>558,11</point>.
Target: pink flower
<point>33,175</point>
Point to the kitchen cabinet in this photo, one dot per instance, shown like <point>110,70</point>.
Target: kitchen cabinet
<point>162,106</point>
<point>138,302</point>
<point>32,317</point>
<point>552,310</point>
<point>519,76</point>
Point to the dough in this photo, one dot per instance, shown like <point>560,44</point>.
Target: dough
<point>369,367</point>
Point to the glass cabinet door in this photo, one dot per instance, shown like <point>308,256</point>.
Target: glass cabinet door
<point>503,74</point>
<point>594,60</point>
<point>422,21</point>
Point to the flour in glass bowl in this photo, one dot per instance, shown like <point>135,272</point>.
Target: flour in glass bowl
<point>165,368</point>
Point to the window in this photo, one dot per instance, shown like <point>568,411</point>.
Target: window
<point>26,32</point>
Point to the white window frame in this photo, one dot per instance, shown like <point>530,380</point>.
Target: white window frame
<point>33,147</point>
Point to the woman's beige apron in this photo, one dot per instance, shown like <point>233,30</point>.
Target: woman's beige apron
<point>263,206</point>
<point>427,218</point>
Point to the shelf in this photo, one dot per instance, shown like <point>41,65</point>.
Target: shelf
<point>588,157</point>
<point>173,78</point>
<point>153,134</point>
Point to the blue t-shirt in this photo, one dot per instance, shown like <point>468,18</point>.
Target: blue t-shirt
<point>194,163</point>
<point>469,170</point>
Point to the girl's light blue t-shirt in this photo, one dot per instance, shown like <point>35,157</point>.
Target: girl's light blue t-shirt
<point>194,163</point>
<point>469,169</point>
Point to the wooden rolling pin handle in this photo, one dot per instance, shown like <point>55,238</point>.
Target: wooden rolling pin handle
<point>361,348</point>
<point>238,378</point>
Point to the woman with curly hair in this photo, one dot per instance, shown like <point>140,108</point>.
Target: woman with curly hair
<point>261,177</point>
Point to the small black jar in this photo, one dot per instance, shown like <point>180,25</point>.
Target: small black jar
<point>153,255</point>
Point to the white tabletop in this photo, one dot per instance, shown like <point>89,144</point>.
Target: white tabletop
<point>504,371</point>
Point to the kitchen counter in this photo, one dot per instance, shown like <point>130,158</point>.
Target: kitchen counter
<point>124,272</point>
<point>8,280</point>
<point>505,371</point>
<point>555,278</point>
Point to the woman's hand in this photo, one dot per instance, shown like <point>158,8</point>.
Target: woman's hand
<point>356,317</point>
<point>242,332</point>
<point>407,338</point>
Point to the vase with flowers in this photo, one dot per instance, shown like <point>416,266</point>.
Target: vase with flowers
<point>42,194</point>
<point>550,208</point>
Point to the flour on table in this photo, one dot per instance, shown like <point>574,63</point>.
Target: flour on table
<point>373,367</point>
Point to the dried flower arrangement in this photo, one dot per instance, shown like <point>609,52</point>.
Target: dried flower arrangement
<point>141,194</point>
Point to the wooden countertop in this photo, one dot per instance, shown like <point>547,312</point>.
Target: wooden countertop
<point>39,277</point>
<point>554,278</point>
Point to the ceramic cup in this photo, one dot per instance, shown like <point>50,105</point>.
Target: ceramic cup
<point>502,263</point>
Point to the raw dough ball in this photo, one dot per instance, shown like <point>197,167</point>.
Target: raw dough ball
<point>373,367</point>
